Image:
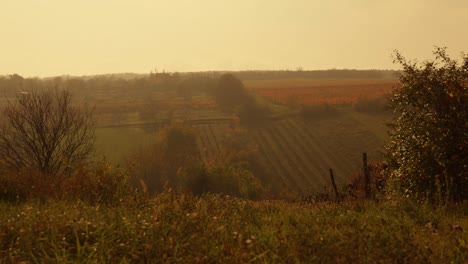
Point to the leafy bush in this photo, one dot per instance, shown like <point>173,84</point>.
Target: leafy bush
<point>378,181</point>
<point>427,152</point>
<point>230,92</point>
<point>22,185</point>
<point>240,149</point>
<point>252,114</point>
<point>232,97</point>
<point>229,180</point>
<point>97,184</point>
<point>159,164</point>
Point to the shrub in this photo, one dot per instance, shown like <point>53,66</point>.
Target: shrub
<point>356,188</point>
<point>101,183</point>
<point>252,114</point>
<point>22,185</point>
<point>230,92</point>
<point>228,180</point>
<point>427,152</point>
<point>159,164</point>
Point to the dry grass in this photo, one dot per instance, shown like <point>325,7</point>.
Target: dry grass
<point>176,228</point>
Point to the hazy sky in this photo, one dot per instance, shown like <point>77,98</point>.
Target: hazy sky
<point>78,37</point>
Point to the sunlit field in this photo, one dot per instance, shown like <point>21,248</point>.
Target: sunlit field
<point>321,91</point>
<point>150,195</point>
<point>232,132</point>
<point>117,144</point>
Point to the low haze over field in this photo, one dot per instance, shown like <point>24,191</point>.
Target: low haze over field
<point>233,131</point>
<point>47,38</point>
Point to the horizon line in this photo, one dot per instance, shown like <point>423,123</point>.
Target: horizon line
<point>188,72</point>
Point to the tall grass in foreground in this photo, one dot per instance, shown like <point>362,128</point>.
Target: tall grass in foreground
<point>212,228</point>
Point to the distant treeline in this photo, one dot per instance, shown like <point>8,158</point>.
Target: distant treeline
<point>195,81</point>
<point>306,74</point>
<point>88,86</point>
<point>318,74</point>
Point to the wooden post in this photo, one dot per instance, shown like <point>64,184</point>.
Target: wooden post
<point>367,186</point>
<point>332,177</point>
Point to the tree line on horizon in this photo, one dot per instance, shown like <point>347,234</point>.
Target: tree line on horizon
<point>10,84</point>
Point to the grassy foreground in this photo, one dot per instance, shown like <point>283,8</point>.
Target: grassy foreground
<point>188,229</point>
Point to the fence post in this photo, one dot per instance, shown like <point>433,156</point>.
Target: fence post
<point>367,186</point>
<point>332,177</point>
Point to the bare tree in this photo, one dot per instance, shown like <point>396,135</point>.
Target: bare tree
<point>42,130</point>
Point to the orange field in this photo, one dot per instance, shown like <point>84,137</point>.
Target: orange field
<point>320,91</point>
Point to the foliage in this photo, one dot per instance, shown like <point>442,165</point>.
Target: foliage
<point>195,84</point>
<point>175,228</point>
<point>43,131</point>
<point>159,164</point>
<point>232,97</point>
<point>427,152</point>
<point>225,179</point>
<point>99,183</point>
<point>174,162</point>
<point>230,93</point>
<point>26,184</point>
<point>378,181</point>
<point>240,149</point>
<point>252,114</point>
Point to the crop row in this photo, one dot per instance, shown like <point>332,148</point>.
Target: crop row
<point>209,139</point>
<point>301,157</point>
<point>291,151</point>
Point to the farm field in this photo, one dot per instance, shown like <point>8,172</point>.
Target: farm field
<point>375,123</point>
<point>297,154</point>
<point>294,153</point>
<point>116,144</point>
<point>321,91</point>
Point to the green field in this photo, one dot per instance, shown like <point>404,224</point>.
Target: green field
<point>117,144</point>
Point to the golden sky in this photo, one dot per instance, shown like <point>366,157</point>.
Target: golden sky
<point>79,37</point>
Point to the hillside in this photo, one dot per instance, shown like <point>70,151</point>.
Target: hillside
<point>159,209</point>
<point>294,152</point>
<point>297,154</point>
